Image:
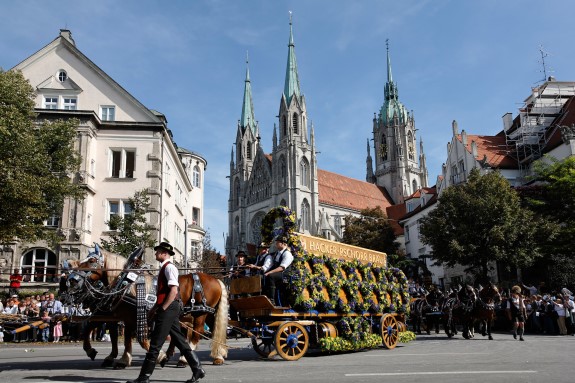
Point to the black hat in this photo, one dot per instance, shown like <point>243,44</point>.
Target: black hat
<point>166,247</point>
<point>281,238</point>
<point>264,245</point>
<point>241,253</point>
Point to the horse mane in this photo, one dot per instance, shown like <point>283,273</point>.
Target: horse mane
<point>114,264</point>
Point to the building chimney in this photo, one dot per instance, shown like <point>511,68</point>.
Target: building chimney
<point>464,138</point>
<point>454,127</point>
<point>507,121</point>
<point>474,149</point>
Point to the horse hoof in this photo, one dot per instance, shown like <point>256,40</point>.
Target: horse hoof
<point>92,354</point>
<point>218,362</point>
<point>490,337</point>
<point>181,364</point>
<point>107,363</point>
<point>120,366</point>
<point>164,361</point>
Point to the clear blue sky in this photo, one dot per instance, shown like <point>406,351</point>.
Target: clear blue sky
<point>470,61</point>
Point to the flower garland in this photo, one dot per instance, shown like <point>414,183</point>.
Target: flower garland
<point>325,284</point>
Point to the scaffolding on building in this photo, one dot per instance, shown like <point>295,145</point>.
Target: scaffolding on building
<point>527,137</point>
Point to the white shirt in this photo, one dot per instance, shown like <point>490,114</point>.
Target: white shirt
<point>171,272</point>
<point>287,258</point>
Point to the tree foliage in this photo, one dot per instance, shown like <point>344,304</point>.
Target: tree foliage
<point>37,160</point>
<point>483,221</point>
<point>209,259</point>
<point>372,230</point>
<point>131,230</point>
<point>555,200</point>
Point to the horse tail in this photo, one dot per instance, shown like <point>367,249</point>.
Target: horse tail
<point>219,346</point>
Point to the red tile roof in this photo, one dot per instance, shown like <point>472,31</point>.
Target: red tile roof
<point>338,190</point>
<point>492,148</point>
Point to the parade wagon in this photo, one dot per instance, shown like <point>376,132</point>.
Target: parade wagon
<point>335,297</point>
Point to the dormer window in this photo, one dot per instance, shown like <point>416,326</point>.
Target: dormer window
<point>62,75</point>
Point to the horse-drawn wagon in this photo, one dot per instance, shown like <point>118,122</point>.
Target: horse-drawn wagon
<point>335,297</point>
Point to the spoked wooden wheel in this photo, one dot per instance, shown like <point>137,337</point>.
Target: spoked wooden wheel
<point>264,346</point>
<point>389,331</point>
<point>291,340</point>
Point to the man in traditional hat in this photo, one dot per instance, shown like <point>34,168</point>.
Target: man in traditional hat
<point>263,260</point>
<point>516,311</point>
<point>241,268</point>
<point>280,262</point>
<point>165,318</point>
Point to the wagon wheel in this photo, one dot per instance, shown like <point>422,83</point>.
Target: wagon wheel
<point>291,340</point>
<point>264,346</point>
<point>389,331</point>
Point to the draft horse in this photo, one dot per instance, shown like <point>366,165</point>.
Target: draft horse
<point>484,309</point>
<point>426,309</point>
<point>106,269</point>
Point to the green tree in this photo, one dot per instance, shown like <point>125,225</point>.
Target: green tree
<point>371,230</point>
<point>480,222</point>
<point>554,198</point>
<point>131,230</point>
<point>37,159</point>
<point>209,259</point>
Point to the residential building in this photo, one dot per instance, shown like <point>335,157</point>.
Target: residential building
<point>125,147</point>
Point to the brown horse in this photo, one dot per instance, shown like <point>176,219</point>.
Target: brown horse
<point>484,309</point>
<point>107,269</point>
<point>91,283</point>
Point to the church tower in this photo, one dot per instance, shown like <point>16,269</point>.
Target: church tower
<point>293,156</point>
<point>396,161</point>
<point>241,163</point>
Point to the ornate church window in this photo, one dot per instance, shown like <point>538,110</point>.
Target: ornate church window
<point>304,172</point>
<point>249,150</point>
<point>283,172</point>
<point>410,146</point>
<point>295,124</point>
<point>237,193</point>
<point>305,218</point>
<point>284,125</point>
<point>256,226</point>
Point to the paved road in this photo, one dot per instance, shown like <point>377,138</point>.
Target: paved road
<point>429,359</point>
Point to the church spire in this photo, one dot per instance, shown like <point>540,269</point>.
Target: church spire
<point>291,86</point>
<point>248,117</point>
<point>390,88</point>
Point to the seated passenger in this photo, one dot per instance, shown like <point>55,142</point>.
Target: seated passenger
<point>240,269</point>
<point>282,259</point>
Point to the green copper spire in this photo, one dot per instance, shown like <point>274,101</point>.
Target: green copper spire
<point>292,81</point>
<point>392,108</point>
<point>248,118</point>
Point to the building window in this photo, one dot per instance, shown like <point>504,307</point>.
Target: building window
<point>166,223</point>
<point>108,113</point>
<point>196,216</point>
<point>119,208</point>
<point>284,125</point>
<point>123,162</point>
<point>305,219</point>
<point>304,172</point>
<point>39,265</point>
<point>337,223</point>
<point>70,103</point>
<point>295,124</point>
<point>178,237</point>
<point>53,221</point>
<point>283,172</point>
<point>50,102</point>
<point>62,76</point>
<point>195,252</point>
<point>178,195</point>
<point>414,185</point>
<point>196,176</point>
<point>249,150</point>
<point>406,233</point>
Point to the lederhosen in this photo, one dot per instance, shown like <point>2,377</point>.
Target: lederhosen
<point>166,322</point>
<point>276,278</point>
<point>516,312</point>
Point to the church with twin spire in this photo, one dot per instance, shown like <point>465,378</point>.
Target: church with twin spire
<point>289,175</point>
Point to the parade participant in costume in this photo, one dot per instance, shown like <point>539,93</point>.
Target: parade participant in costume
<point>280,262</point>
<point>263,260</point>
<point>165,317</point>
<point>516,312</point>
<point>15,282</point>
<point>240,269</point>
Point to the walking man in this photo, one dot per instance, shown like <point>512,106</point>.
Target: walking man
<point>165,316</point>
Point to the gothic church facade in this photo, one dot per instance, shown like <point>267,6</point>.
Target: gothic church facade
<point>289,175</point>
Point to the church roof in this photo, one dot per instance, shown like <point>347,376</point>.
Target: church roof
<point>248,119</point>
<point>291,86</point>
<point>493,149</point>
<point>338,190</point>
